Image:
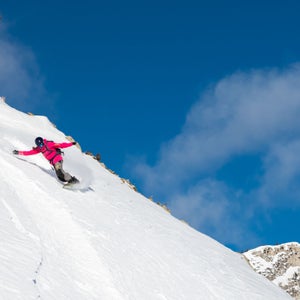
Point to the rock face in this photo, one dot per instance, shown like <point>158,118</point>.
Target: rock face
<point>280,264</point>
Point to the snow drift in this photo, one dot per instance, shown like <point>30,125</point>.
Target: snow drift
<point>108,242</point>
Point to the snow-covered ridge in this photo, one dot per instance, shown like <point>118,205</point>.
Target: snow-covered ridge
<point>108,242</point>
<point>280,264</point>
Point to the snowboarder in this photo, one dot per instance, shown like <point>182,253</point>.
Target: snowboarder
<point>53,154</point>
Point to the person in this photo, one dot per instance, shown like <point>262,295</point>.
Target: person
<point>51,151</point>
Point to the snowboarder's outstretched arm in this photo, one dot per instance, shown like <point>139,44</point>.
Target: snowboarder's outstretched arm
<point>30,152</point>
<point>63,145</point>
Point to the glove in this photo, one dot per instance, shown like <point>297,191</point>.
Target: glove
<point>16,152</point>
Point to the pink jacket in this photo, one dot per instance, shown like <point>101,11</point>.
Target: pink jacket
<point>48,150</point>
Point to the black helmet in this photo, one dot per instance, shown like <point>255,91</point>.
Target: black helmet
<point>39,141</point>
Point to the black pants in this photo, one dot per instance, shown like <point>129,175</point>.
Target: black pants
<point>61,174</point>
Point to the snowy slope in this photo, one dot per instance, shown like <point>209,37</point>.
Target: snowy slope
<point>280,264</point>
<point>107,243</point>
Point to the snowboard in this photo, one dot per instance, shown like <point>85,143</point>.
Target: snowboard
<point>70,186</point>
<point>77,186</point>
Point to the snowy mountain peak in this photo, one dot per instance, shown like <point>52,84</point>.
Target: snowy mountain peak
<point>280,264</point>
<point>105,242</point>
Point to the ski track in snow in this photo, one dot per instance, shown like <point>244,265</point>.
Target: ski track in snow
<point>50,213</point>
<point>21,228</point>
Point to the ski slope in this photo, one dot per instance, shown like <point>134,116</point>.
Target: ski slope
<point>104,243</point>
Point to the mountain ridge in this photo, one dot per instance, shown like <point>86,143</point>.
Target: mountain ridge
<point>107,243</point>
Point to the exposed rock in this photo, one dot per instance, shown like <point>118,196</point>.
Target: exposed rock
<point>280,264</point>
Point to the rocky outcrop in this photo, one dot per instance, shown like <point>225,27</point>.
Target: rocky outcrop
<point>280,264</point>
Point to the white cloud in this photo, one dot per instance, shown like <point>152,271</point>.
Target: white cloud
<point>20,79</point>
<point>244,112</point>
<point>207,207</point>
<point>281,181</point>
<point>255,112</point>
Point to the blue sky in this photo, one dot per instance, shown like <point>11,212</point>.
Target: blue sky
<point>196,103</point>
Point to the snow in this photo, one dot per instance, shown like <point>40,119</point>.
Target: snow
<point>105,241</point>
<point>284,279</point>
